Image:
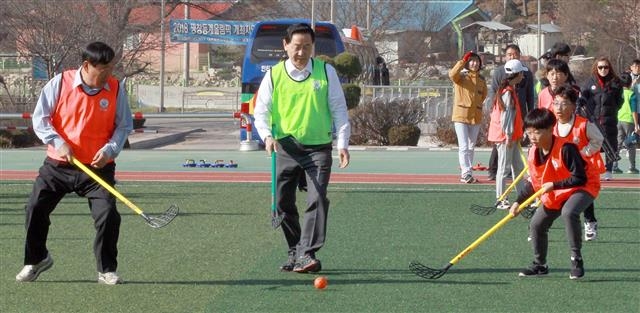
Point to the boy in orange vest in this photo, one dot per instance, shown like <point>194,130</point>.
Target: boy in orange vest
<point>556,166</point>
<point>587,137</point>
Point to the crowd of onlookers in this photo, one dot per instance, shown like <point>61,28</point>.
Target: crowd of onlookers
<point>606,98</point>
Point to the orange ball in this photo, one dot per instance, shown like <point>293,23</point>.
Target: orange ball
<point>320,282</point>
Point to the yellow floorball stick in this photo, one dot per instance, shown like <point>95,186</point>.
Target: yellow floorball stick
<point>153,221</point>
<point>486,210</point>
<point>432,273</point>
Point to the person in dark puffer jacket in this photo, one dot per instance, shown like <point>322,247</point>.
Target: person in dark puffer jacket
<point>602,93</point>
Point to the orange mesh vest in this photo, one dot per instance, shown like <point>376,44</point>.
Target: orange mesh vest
<point>495,129</point>
<point>545,99</point>
<point>553,170</point>
<point>578,136</point>
<point>85,122</point>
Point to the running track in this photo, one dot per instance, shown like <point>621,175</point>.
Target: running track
<point>260,177</point>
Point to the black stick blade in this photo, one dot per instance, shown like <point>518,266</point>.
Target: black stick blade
<point>528,212</point>
<point>427,272</point>
<point>482,210</point>
<point>276,221</point>
<point>164,219</point>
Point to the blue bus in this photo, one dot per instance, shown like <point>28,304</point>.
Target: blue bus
<point>265,49</point>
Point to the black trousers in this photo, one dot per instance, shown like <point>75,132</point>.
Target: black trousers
<point>315,161</point>
<point>55,180</point>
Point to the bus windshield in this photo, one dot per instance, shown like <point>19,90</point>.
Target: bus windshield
<point>267,44</point>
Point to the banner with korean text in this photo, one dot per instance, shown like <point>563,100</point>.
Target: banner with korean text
<point>211,31</point>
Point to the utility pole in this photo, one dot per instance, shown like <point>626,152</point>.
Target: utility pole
<point>331,11</point>
<point>539,37</point>
<point>162,47</point>
<point>368,14</point>
<point>186,48</point>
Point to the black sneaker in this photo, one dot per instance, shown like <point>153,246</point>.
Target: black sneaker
<point>617,171</point>
<point>577,268</point>
<point>307,264</point>
<point>535,270</point>
<point>290,264</point>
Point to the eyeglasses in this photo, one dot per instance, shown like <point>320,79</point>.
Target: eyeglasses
<point>561,104</point>
<point>603,67</point>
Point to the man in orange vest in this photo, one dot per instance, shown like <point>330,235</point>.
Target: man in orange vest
<point>83,114</point>
<point>556,166</point>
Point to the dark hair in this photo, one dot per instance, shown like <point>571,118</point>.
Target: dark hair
<point>98,53</point>
<point>512,46</point>
<point>540,118</point>
<point>474,55</point>
<point>560,48</point>
<point>568,92</point>
<point>558,65</point>
<point>300,28</point>
<point>625,80</point>
<point>546,56</point>
<point>636,62</point>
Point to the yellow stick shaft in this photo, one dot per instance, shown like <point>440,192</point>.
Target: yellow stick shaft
<point>493,229</point>
<point>104,184</point>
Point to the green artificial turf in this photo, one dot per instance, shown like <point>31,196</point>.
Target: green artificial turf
<point>221,254</point>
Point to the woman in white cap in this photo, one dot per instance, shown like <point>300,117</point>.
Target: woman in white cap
<point>505,128</point>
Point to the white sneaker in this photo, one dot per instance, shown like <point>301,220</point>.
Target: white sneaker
<point>590,231</point>
<point>109,278</point>
<point>31,272</point>
<point>607,176</point>
<point>503,205</point>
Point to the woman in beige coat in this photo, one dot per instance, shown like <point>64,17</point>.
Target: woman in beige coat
<point>470,89</point>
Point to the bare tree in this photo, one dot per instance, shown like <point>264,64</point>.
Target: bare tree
<point>56,31</point>
<point>610,28</point>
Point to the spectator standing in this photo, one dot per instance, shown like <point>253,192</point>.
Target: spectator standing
<point>524,89</point>
<point>627,123</point>
<point>506,128</point>
<point>603,98</point>
<point>470,90</point>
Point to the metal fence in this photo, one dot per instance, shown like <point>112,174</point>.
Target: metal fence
<point>436,101</point>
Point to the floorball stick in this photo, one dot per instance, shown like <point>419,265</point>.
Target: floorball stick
<point>153,221</point>
<point>433,273</point>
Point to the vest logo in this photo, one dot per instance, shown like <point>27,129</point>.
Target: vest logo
<point>576,140</point>
<point>316,85</point>
<point>555,164</point>
<point>104,104</point>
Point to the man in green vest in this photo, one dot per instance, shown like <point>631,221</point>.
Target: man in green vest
<point>298,103</point>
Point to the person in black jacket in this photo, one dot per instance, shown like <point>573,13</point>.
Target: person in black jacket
<point>603,98</point>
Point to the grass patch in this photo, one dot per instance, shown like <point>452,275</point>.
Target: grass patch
<point>221,254</point>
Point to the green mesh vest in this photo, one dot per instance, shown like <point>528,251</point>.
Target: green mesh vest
<point>625,114</point>
<point>301,109</point>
